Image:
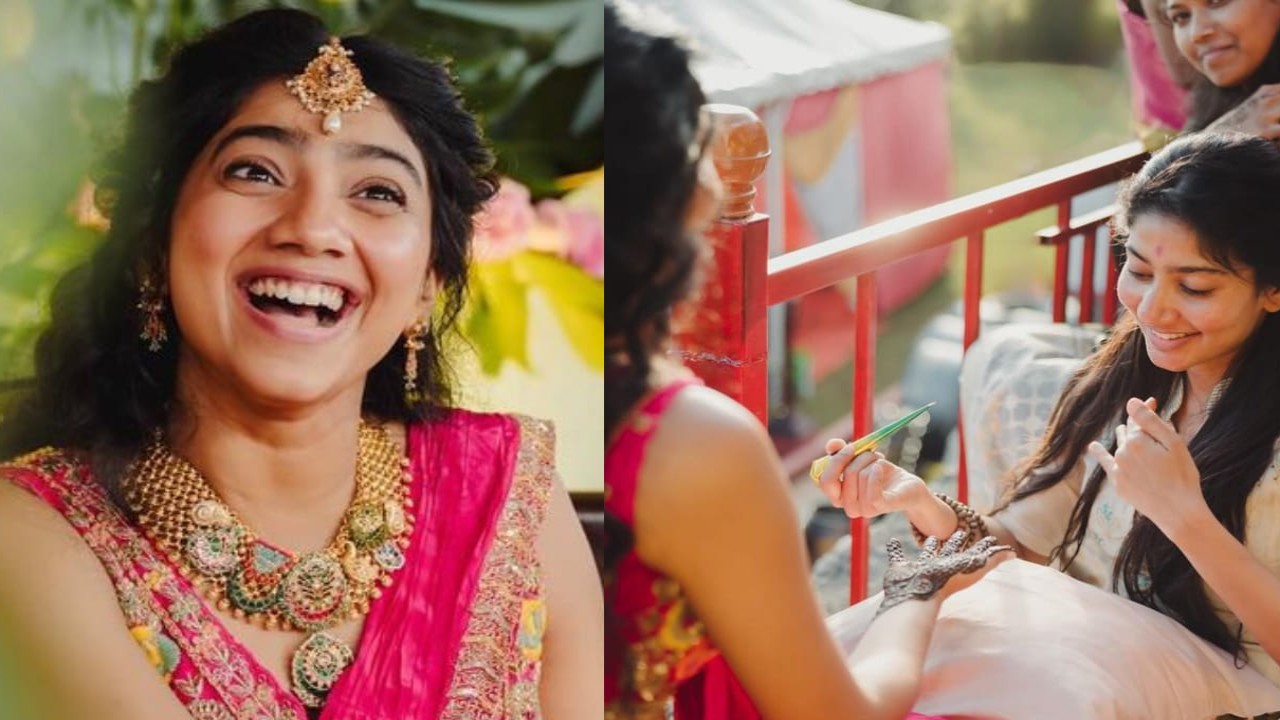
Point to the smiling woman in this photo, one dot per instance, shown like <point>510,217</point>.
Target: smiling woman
<point>1232,45</point>
<point>245,491</point>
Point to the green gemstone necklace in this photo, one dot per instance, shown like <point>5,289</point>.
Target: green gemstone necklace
<point>269,586</point>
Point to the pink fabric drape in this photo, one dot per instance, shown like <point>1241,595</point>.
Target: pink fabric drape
<point>463,469</point>
<point>1158,101</point>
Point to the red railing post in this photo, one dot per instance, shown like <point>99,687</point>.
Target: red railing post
<point>974,251</point>
<point>1060,261</point>
<point>723,335</point>
<point>864,392</point>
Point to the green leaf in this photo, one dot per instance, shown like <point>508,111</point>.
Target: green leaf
<point>543,17</point>
<point>498,316</point>
<point>25,280</point>
<point>584,41</point>
<point>591,109</point>
<point>576,298</point>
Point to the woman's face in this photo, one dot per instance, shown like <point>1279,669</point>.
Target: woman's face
<point>1195,314</point>
<point>1226,40</point>
<point>296,258</point>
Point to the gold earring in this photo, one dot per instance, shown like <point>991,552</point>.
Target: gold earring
<point>151,305</point>
<point>413,344</point>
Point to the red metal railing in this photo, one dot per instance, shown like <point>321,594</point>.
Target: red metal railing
<point>730,341</point>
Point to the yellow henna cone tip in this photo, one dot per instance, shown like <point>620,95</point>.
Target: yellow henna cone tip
<point>868,442</point>
<point>817,466</point>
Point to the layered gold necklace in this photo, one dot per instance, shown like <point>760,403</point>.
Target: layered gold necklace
<point>269,586</point>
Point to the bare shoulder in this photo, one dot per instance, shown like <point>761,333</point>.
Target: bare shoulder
<point>28,522</point>
<point>43,559</point>
<point>60,601</point>
<point>706,439</point>
<point>708,460</point>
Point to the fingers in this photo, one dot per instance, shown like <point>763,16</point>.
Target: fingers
<point>995,555</point>
<point>1103,458</point>
<point>986,548</point>
<point>833,446</point>
<point>896,555</point>
<point>837,469</point>
<point>874,489</point>
<point>1144,416</point>
<point>930,549</point>
<point>953,543</point>
<point>861,462</point>
<point>829,479</point>
<point>983,545</point>
<point>852,489</point>
<point>859,482</point>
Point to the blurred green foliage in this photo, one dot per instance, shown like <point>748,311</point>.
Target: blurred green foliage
<point>1072,32</point>
<point>530,69</point>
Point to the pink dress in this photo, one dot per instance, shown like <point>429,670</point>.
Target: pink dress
<point>674,664</point>
<point>673,660</point>
<point>458,636</point>
<point>1158,102</point>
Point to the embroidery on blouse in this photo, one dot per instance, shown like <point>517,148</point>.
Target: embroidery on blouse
<point>499,661</point>
<point>213,681</point>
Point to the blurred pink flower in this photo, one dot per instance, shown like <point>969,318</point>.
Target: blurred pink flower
<point>502,227</point>
<point>572,229</point>
<point>586,241</point>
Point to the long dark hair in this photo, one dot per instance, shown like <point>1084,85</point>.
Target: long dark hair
<point>649,260</point>
<point>1223,187</point>
<point>98,390</point>
<point>1210,102</point>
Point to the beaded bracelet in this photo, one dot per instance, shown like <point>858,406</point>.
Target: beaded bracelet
<point>966,517</point>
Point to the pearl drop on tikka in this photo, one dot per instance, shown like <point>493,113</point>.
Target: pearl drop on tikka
<point>332,122</point>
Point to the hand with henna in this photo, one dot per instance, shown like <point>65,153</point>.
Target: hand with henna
<point>932,570</point>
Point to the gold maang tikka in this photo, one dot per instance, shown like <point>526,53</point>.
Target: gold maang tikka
<point>330,85</point>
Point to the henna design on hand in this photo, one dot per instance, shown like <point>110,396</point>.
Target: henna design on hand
<point>923,577</point>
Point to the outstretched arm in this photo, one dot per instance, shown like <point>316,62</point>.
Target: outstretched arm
<point>713,513</point>
<point>867,485</point>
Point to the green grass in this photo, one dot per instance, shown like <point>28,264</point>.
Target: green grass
<point>1008,120</point>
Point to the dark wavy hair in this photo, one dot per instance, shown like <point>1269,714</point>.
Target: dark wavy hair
<point>649,259</point>
<point>97,389</point>
<point>1223,187</point>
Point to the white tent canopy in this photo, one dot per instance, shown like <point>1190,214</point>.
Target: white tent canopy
<point>755,52</point>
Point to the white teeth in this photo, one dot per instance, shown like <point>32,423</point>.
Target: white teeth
<point>299,293</point>
<point>1169,336</point>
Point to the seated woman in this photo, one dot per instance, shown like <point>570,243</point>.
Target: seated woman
<point>710,611</point>
<point>243,491</point>
<point>1175,511</point>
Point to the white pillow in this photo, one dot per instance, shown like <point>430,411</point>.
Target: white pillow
<point>1030,642</point>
